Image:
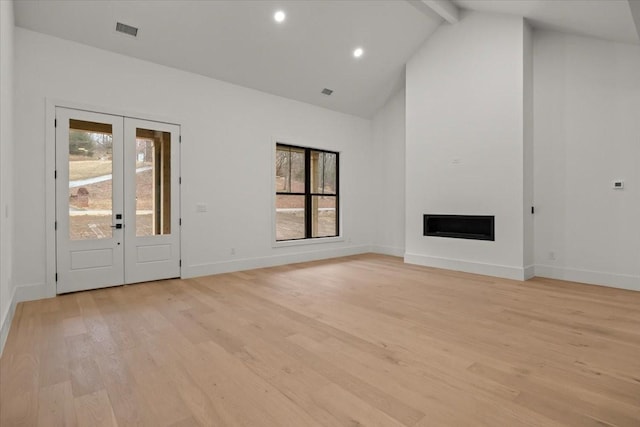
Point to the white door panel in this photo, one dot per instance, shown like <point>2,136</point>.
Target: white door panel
<point>152,234</point>
<point>93,258</point>
<point>117,200</point>
<point>89,195</point>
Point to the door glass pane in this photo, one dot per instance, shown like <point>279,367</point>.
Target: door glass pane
<point>153,182</point>
<point>90,180</point>
<point>289,217</point>
<point>323,216</point>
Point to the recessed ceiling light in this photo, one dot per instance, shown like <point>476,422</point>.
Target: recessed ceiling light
<point>358,52</point>
<point>279,16</point>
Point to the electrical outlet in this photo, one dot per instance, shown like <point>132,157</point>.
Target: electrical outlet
<point>552,255</point>
<point>233,251</point>
<point>201,207</point>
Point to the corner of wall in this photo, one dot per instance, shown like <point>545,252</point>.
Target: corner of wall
<point>528,150</point>
<point>396,251</point>
<point>7,288</point>
<point>388,176</point>
<point>20,293</point>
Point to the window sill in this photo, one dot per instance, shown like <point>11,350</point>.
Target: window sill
<point>302,242</point>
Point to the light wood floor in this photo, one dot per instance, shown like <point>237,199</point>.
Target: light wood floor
<point>363,340</point>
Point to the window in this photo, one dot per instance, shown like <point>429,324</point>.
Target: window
<point>307,193</point>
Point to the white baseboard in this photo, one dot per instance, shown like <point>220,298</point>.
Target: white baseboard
<point>529,272</point>
<point>505,271</point>
<point>5,326</point>
<point>30,292</point>
<point>612,280</point>
<point>388,250</point>
<point>20,294</point>
<point>270,261</point>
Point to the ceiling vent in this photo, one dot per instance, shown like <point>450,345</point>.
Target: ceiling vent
<point>326,91</point>
<point>126,29</point>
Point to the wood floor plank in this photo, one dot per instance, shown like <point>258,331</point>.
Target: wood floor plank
<point>129,407</point>
<point>56,406</point>
<point>85,376</point>
<point>74,326</point>
<point>94,410</point>
<point>350,410</point>
<point>199,403</point>
<point>54,358</point>
<point>20,369</point>
<point>360,340</point>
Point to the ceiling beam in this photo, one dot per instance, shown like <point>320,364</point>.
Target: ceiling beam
<point>634,5</point>
<point>445,8</point>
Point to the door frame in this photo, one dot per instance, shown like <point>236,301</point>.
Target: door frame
<point>50,182</point>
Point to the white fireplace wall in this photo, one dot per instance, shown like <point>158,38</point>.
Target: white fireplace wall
<point>465,142</point>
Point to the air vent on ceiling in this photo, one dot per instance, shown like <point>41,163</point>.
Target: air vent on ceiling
<point>326,91</point>
<point>126,29</point>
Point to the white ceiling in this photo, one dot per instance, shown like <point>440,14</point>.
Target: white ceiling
<point>239,42</point>
<point>606,19</point>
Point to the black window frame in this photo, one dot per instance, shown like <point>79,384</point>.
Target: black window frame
<point>308,194</point>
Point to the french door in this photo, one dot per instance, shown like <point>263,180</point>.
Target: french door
<point>117,200</point>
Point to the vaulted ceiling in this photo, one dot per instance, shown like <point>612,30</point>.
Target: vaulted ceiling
<point>606,19</point>
<point>312,49</point>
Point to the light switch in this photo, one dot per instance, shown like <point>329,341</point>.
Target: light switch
<point>618,185</point>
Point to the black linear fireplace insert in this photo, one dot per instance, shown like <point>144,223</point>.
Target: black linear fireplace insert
<point>478,227</point>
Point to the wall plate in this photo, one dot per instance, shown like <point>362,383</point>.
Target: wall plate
<point>617,185</point>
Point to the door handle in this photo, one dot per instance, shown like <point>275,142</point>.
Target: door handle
<point>117,226</point>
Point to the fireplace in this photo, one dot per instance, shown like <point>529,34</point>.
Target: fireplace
<point>477,227</point>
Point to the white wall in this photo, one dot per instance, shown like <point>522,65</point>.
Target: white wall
<point>587,134</point>
<point>468,150</point>
<point>6,164</point>
<point>388,176</point>
<point>464,142</point>
<point>227,148</point>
